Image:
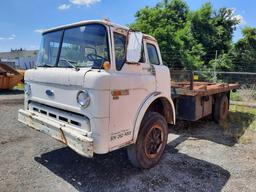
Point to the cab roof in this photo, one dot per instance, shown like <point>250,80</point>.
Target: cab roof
<point>104,22</point>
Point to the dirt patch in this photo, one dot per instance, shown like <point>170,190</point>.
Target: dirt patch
<point>14,140</point>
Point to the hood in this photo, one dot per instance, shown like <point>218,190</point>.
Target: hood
<point>65,84</point>
<point>60,76</point>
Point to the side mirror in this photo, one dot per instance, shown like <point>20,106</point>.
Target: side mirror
<point>134,47</point>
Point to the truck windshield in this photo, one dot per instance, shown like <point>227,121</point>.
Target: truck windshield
<point>83,46</point>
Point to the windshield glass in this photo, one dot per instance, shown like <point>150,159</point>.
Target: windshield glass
<point>49,49</point>
<point>83,46</point>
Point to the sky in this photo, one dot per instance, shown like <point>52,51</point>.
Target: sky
<point>21,22</point>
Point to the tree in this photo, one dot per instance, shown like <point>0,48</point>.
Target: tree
<point>214,30</point>
<point>166,22</point>
<point>243,53</point>
<point>188,39</point>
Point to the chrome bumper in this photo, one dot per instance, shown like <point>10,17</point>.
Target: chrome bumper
<point>64,133</point>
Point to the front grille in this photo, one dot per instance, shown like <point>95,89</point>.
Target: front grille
<point>71,118</point>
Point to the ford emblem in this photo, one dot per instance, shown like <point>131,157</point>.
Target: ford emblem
<point>50,93</point>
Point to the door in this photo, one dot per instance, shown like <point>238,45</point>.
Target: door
<point>130,86</point>
<point>162,73</point>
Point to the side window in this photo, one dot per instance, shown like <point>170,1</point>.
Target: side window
<point>152,54</point>
<point>119,41</point>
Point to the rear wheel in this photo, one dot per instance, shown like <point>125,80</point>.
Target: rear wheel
<point>151,141</point>
<point>221,107</point>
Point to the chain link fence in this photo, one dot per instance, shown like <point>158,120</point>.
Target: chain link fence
<point>243,78</point>
<point>247,81</point>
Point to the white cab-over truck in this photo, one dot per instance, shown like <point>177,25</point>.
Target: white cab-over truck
<point>99,87</point>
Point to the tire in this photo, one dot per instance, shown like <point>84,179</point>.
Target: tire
<point>221,108</point>
<point>151,141</point>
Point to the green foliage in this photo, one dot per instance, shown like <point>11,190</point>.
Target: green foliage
<point>214,29</point>
<point>235,96</point>
<point>222,63</point>
<point>189,39</point>
<point>243,116</point>
<point>167,22</point>
<point>243,53</point>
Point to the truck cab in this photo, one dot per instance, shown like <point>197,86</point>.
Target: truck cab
<point>98,87</point>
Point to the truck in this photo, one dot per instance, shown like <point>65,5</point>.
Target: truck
<point>100,86</point>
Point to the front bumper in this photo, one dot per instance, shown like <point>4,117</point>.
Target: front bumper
<point>75,140</point>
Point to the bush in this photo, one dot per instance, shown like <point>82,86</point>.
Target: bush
<point>248,93</point>
<point>235,96</point>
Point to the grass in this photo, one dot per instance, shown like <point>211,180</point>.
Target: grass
<point>240,122</point>
<point>243,109</point>
<point>244,116</point>
<point>246,94</point>
<point>235,96</point>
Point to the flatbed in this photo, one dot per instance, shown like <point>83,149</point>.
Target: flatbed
<point>195,100</point>
<point>201,88</point>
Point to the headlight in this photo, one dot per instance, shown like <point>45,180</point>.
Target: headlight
<point>83,98</point>
<point>27,88</point>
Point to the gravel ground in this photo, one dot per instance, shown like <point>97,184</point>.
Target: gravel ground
<point>11,96</point>
<point>199,158</point>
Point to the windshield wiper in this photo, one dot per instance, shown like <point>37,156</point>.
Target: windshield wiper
<point>70,62</point>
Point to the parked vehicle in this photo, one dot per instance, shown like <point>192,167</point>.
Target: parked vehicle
<point>99,87</point>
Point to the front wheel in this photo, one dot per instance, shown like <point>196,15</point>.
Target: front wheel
<point>151,141</point>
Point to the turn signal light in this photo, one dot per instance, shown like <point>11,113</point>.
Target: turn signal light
<point>106,65</point>
<point>117,93</point>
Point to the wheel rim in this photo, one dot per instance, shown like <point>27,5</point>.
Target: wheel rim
<point>154,142</point>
